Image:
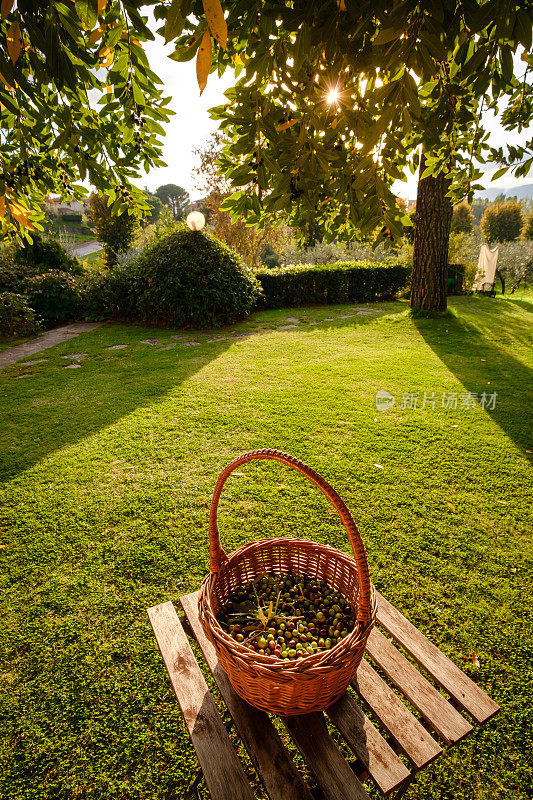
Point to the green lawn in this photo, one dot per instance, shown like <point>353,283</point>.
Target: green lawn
<point>108,472</point>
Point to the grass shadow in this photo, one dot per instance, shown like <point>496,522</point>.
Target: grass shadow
<point>483,363</point>
<point>46,407</point>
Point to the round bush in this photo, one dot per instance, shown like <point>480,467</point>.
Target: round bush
<point>16,317</point>
<point>56,296</point>
<point>191,279</point>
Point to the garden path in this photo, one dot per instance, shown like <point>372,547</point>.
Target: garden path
<point>44,341</point>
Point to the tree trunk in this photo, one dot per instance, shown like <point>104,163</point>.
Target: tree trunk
<point>432,237</point>
<point>502,280</point>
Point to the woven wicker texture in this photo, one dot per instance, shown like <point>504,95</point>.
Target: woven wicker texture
<point>306,684</point>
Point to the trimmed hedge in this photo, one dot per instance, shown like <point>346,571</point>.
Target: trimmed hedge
<point>339,282</point>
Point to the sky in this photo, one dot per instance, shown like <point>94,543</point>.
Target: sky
<point>191,126</point>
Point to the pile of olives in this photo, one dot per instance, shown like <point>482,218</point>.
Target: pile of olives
<point>287,616</point>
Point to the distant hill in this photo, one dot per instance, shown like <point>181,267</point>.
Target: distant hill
<point>524,190</point>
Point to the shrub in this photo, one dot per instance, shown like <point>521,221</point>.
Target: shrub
<point>16,317</point>
<point>110,293</point>
<point>116,232</point>
<point>191,279</point>
<point>12,274</point>
<point>185,279</point>
<point>56,296</point>
<point>340,282</point>
<point>43,255</point>
<point>71,217</point>
<point>502,222</point>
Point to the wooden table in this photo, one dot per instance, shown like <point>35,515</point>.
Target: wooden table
<point>375,747</point>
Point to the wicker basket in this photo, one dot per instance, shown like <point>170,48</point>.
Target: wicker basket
<point>266,682</point>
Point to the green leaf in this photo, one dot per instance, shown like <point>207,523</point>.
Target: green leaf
<point>506,60</point>
<point>387,35</point>
<point>174,22</point>
<point>87,11</point>
<point>499,173</point>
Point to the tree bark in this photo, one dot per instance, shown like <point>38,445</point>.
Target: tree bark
<point>432,237</point>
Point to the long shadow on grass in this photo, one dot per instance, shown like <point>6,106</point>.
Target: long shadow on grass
<point>461,346</point>
<point>56,408</point>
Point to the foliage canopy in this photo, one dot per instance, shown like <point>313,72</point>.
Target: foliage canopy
<point>78,101</point>
<point>336,96</point>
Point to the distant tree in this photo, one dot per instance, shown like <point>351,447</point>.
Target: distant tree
<point>115,232</point>
<point>502,221</point>
<point>527,232</point>
<point>248,240</point>
<point>155,206</point>
<point>479,204</point>
<point>462,219</point>
<point>176,198</point>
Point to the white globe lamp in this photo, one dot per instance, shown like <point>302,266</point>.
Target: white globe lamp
<point>195,221</point>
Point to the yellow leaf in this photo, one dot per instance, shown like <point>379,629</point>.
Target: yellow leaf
<point>2,206</point>
<point>203,60</point>
<point>286,125</point>
<point>334,123</point>
<point>6,7</point>
<point>215,19</point>
<point>107,55</point>
<point>101,6</point>
<point>20,215</point>
<point>96,34</point>
<point>14,42</point>
<point>450,505</point>
<point>342,5</point>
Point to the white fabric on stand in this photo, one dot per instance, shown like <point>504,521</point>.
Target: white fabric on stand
<point>486,266</point>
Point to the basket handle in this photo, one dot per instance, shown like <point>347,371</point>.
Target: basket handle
<point>218,557</point>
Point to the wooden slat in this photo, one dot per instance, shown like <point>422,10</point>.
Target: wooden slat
<point>410,736</point>
<point>377,757</point>
<point>442,716</point>
<point>273,763</point>
<point>222,769</point>
<point>458,685</point>
<point>330,769</point>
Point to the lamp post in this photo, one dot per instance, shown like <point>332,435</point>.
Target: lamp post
<point>195,221</point>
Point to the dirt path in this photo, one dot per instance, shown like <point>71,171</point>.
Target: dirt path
<point>44,341</point>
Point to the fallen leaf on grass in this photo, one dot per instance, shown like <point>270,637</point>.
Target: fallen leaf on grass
<point>513,570</point>
<point>450,505</point>
<point>239,474</point>
<point>379,466</point>
<point>475,660</point>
